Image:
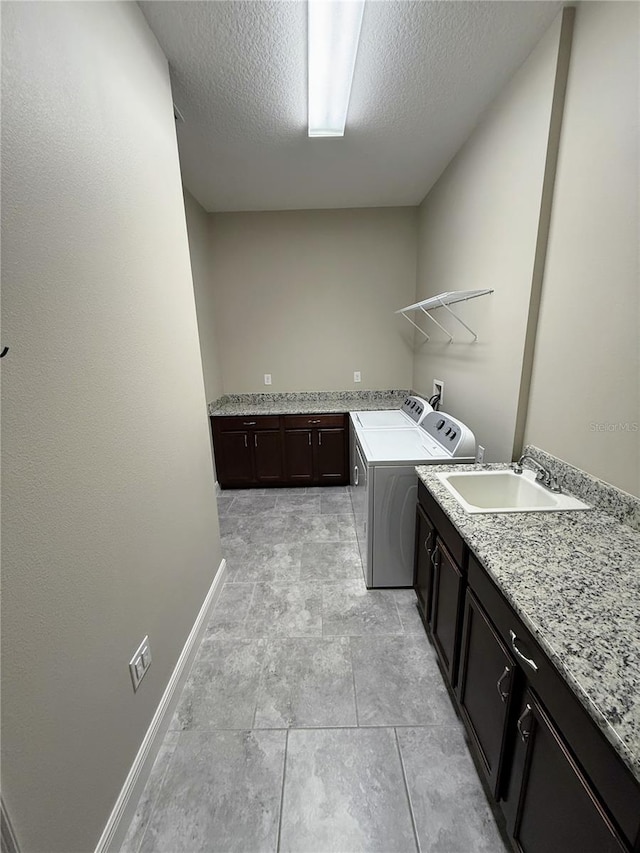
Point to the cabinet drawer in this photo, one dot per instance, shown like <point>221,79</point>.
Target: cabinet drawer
<point>608,774</point>
<point>229,424</point>
<point>311,421</point>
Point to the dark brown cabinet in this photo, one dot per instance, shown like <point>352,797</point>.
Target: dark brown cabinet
<point>555,807</point>
<point>316,449</point>
<point>559,783</point>
<point>332,463</point>
<point>445,609</point>
<point>423,580</point>
<point>298,445</point>
<point>234,458</point>
<point>275,450</point>
<point>248,451</point>
<point>485,689</point>
<point>439,580</point>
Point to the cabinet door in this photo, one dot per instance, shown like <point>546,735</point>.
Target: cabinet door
<point>485,684</point>
<point>423,568</point>
<point>445,612</point>
<point>299,455</point>
<point>267,450</point>
<point>233,457</point>
<point>556,808</point>
<point>331,455</point>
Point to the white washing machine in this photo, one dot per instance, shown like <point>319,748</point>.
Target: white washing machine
<point>384,489</point>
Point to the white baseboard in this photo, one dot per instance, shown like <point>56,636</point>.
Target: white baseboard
<point>115,831</point>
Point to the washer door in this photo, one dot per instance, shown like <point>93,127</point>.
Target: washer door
<point>394,525</point>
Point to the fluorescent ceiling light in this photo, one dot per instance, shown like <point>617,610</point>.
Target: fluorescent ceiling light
<point>333,30</point>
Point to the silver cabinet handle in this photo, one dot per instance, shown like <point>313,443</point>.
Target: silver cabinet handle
<point>524,733</point>
<point>255,439</point>
<point>245,441</point>
<point>503,695</point>
<point>528,661</point>
<point>315,422</point>
<point>319,439</point>
<point>249,423</point>
<point>434,555</point>
<point>309,439</point>
<point>355,475</point>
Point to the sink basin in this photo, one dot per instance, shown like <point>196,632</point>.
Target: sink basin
<point>506,491</point>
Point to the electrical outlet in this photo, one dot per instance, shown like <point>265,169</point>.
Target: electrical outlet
<point>267,379</point>
<point>480,454</point>
<point>438,388</point>
<point>356,376</point>
<point>140,663</point>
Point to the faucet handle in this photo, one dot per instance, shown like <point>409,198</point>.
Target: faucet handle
<point>555,483</point>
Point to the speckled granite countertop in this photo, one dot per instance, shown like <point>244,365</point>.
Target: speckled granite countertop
<point>303,403</point>
<point>574,579</point>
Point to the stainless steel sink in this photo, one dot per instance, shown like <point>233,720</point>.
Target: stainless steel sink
<point>506,491</point>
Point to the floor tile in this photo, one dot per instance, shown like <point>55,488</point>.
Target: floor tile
<point>224,502</point>
<point>285,610</point>
<point>306,682</point>
<point>398,682</point>
<point>450,809</point>
<point>298,503</point>
<point>229,614</point>
<point>332,504</point>
<point>350,609</point>
<point>346,527</point>
<point>149,796</point>
<point>253,505</point>
<point>262,529</point>
<point>344,791</point>
<point>407,605</point>
<point>312,528</point>
<point>264,563</point>
<point>228,526</point>
<point>235,554</point>
<point>222,688</point>
<point>323,561</point>
<point>221,792</point>
<point>234,492</point>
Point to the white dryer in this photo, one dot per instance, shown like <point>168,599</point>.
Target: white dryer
<point>384,487</point>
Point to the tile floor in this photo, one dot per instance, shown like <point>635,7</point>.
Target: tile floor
<point>314,717</point>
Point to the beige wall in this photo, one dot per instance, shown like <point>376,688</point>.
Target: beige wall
<point>309,296</point>
<point>109,526</point>
<point>478,229</point>
<point>586,369</point>
<point>201,263</point>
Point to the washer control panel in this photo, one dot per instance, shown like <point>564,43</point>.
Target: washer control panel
<point>450,434</point>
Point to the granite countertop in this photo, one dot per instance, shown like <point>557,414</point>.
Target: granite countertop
<point>303,403</point>
<point>574,579</point>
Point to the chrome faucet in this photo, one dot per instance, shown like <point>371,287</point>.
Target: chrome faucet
<point>543,475</point>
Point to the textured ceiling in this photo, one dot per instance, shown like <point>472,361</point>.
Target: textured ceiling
<point>424,74</point>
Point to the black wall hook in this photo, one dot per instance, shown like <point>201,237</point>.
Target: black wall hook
<point>5,350</point>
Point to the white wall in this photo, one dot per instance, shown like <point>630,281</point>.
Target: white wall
<point>109,526</point>
<point>586,378</point>
<point>201,264</point>
<point>309,296</point>
<point>478,229</point>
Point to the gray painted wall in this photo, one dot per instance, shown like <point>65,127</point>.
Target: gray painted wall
<point>109,524</point>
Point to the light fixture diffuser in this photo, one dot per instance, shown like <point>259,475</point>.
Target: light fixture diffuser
<point>333,33</point>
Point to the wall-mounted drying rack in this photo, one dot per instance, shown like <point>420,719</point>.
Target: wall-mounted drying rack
<point>443,300</point>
